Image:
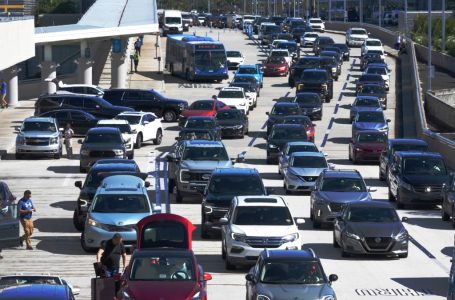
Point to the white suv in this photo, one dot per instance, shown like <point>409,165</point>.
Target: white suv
<point>254,223</point>
<point>317,24</point>
<point>128,134</point>
<point>356,36</point>
<point>371,45</point>
<point>147,126</point>
<point>234,97</point>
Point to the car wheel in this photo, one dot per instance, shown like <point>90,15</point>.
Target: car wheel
<point>169,116</point>
<point>269,161</point>
<point>170,186</point>
<point>391,197</point>
<point>84,246</point>
<point>336,78</point>
<point>286,191</point>
<point>327,98</point>
<point>159,137</point>
<point>227,263</point>
<point>19,156</point>
<point>381,175</point>
<point>204,233</point>
<point>403,255</point>
<point>400,204</point>
<point>316,224</point>
<point>453,216</point>
<point>131,156</point>
<point>139,139</point>
<point>349,155</point>
<point>444,216</point>
<point>344,254</point>
<point>223,251</point>
<point>178,196</point>
<point>354,159</point>
<point>335,243</point>
<point>82,169</point>
<point>311,214</point>
<point>76,222</point>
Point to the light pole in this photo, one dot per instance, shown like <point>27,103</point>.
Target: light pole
<point>361,11</point>
<point>380,14</point>
<point>345,11</point>
<point>443,19</point>
<point>294,9</point>
<point>429,48</point>
<point>406,18</point>
<point>330,10</point>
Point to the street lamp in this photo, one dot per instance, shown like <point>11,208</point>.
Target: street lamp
<point>429,71</point>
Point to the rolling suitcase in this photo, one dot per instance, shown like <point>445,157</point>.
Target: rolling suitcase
<point>103,288</point>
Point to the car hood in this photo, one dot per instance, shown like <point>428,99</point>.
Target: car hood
<point>369,48</point>
<point>39,134</point>
<point>296,291</point>
<point>371,146</point>
<point>100,146</point>
<point>424,179</point>
<point>370,125</point>
<point>344,197</point>
<point>306,171</point>
<point>205,164</point>
<point>197,112</point>
<point>235,59</point>
<point>118,219</point>
<point>162,290</point>
<point>229,122</point>
<point>279,143</point>
<point>231,100</point>
<point>264,231</point>
<point>375,229</point>
<point>306,38</point>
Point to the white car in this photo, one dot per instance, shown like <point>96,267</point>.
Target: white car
<point>356,36</point>
<point>308,38</point>
<point>84,89</point>
<point>282,53</point>
<point>146,127</point>
<point>234,97</point>
<point>381,70</point>
<point>234,58</point>
<point>254,223</point>
<point>316,24</point>
<point>128,135</point>
<point>371,44</point>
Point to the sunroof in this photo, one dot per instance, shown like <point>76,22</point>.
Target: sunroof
<point>260,200</point>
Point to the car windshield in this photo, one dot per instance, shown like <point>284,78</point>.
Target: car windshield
<point>196,135</point>
<point>372,214</point>
<point>371,116</point>
<point>121,203</point>
<point>173,20</point>
<point>205,153</point>
<point>229,115</point>
<point>132,120</point>
<point>358,31</point>
<point>379,52</point>
<point>308,162</point>
<point>8,281</point>
<point>371,138</point>
<point>279,53</point>
<point>39,126</point>
<point>298,30</point>
<point>124,128</point>
<point>315,76</point>
<point>289,46</point>
<point>247,71</point>
<point>307,100</point>
<point>372,89</point>
<point>163,267</point>
<point>230,94</point>
<point>233,54</point>
<point>374,43</point>
<point>103,137</point>
<point>236,185</point>
<point>424,166</point>
<point>347,185</point>
<point>244,79</point>
<point>262,216</point>
<point>408,147</point>
<point>292,272</point>
<point>199,123</point>
<point>202,105</point>
<point>380,71</point>
<point>328,61</point>
<point>298,120</point>
<point>276,60</point>
<point>367,102</point>
<point>284,110</point>
<point>371,56</point>
<point>326,41</point>
<point>311,35</point>
<point>302,148</point>
<point>288,134</point>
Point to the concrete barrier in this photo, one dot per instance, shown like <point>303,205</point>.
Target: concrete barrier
<point>438,59</point>
<point>440,107</point>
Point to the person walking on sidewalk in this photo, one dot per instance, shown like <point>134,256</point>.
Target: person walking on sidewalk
<point>136,61</point>
<point>3,90</point>
<point>109,255</point>
<point>68,134</point>
<point>26,208</point>
<point>137,46</point>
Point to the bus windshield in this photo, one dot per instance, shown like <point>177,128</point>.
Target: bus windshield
<point>210,59</point>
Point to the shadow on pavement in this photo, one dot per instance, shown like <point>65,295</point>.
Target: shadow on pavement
<point>431,285</point>
<point>430,223</point>
<point>339,140</point>
<point>65,205</point>
<point>54,225</point>
<point>61,245</point>
<point>64,169</point>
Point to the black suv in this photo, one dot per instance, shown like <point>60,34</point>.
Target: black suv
<point>322,42</point>
<point>92,182</point>
<point>95,105</point>
<point>310,104</point>
<point>306,62</point>
<point>316,80</point>
<point>368,79</point>
<point>416,178</point>
<point>279,111</point>
<point>233,122</point>
<point>282,134</point>
<point>147,100</point>
<point>225,184</point>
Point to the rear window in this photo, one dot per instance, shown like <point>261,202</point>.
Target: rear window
<point>164,234</point>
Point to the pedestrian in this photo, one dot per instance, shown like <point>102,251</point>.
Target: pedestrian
<point>398,42</point>
<point>3,90</point>
<point>68,134</point>
<point>26,208</point>
<point>109,255</point>
<point>137,46</point>
<point>136,61</point>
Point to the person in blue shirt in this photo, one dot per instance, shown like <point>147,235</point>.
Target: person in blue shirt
<point>26,208</point>
<point>3,90</point>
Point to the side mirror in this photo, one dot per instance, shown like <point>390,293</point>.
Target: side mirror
<point>351,141</point>
<point>372,189</point>
<point>78,184</point>
<point>147,184</point>
<point>79,142</point>
<point>300,221</point>
<point>177,138</point>
<point>223,221</point>
<point>249,277</point>
<point>325,154</point>
<point>388,120</point>
<point>240,158</point>
<point>404,219</point>
<point>134,131</point>
<point>333,277</point>
<point>207,276</point>
<point>267,113</point>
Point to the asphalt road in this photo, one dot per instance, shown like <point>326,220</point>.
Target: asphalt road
<point>423,273</point>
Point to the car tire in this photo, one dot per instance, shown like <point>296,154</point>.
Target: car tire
<point>400,205</point>
<point>223,251</point>
<point>19,156</point>
<point>349,154</point>
<point>335,243</point>
<point>391,197</point>
<point>227,263</point>
<point>316,224</point>
<point>204,233</point>
<point>76,222</point>
<point>178,196</point>
<point>311,214</point>
<point>170,185</point>
<point>58,155</point>
<point>82,169</point>
<point>327,99</point>
<point>286,191</point>
<point>139,140</point>
<point>444,216</point>
<point>344,254</point>
<point>159,137</point>
<point>381,176</point>
<point>169,116</point>
<point>403,255</point>
<point>84,245</point>
<point>453,216</point>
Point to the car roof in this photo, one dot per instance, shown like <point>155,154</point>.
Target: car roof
<point>281,125</point>
<point>373,84</point>
<point>407,141</point>
<point>371,131</point>
<point>67,110</point>
<point>286,254</point>
<point>371,203</point>
<point>372,39</point>
<point>103,130</point>
<point>235,171</point>
<point>112,121</point>
<point>247,66</point>
<point>405,154</point>
<point>134,113</point>
<point>203,143</point>
<point>275,201</point>
<point>367,97</point>
<point>342,173</point>
<point>286,104</point>
<point>121,182</point>
<point>307,94</point>
<point>305,154</point>
<point>40,119</point>
<point>201,117</point>
<point>113,166</point>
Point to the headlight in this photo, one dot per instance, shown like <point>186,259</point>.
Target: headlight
<point>85,152</point>
<point>239,237</point>
<point>54,140</point>
<point>402,235</point>
<point>328,297</point>
<point>238,127</point>
<point>185,176</point>
<point>352,235</point>
<point>316,109</point>
<point>262,297</point>
<point>93,223</point>
<point>118,152</point>
<point>358,149</point>
<point>290,237</point>
<point>126,296</point>
<point>272,146</point>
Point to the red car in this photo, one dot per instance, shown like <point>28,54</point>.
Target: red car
<point>367,146</point>
<point>305,121</point>
<point>276,66</point>
<point>202,108</point>
<point>163,267</point>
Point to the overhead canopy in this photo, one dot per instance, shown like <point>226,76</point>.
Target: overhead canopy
<point>104,19</point>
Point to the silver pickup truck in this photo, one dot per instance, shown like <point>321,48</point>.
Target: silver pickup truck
<point>39,136</point>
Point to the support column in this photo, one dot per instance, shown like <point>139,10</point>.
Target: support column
<point>48,71</point>
<point>85,64</point>
<point>12,96</point>
<point>119,65</point>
